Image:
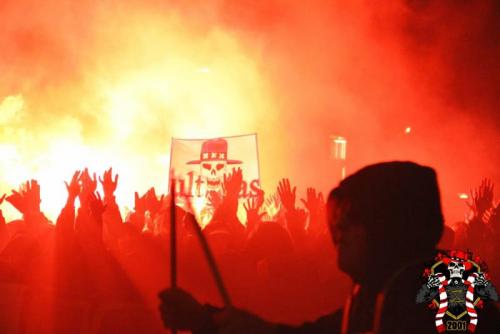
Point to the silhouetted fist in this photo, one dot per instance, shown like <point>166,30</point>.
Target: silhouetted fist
<point>181,311</point>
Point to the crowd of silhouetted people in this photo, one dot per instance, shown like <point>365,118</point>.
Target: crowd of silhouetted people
<point>481,231</point>
<point>95,271</point>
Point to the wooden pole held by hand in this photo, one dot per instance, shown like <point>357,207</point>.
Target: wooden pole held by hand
<point>173,240</point>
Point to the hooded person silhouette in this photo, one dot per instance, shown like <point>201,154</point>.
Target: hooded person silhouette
<point>385,221</point>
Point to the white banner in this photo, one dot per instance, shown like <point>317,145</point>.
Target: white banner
<point>200,166</point>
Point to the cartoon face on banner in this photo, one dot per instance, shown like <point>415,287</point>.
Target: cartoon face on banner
<point>200,167</point>
<point>213,173</point>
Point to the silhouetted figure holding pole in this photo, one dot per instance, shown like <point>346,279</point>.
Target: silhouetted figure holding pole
<point>385,221</point>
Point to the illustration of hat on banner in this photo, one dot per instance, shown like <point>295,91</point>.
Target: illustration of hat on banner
<point>214,150</point>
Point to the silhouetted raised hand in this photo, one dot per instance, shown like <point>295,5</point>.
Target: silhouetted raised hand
<point>232,183</point>
<point>287,194</point>
<point>96,206</point>
<point>272,206</point>
<point>73,187</point>
<point>226,213</point>
<point>252,208</point>
<point>89,186</point>
<point>214,199</point>
<point>481,198</point>
<point>66,219</point>
<point>314,203</point>
<point>137,218</point>
<point>111,217</point>
<point>27,200</point>
<point>109,183</point>
<point>140,203</point>
<point>153,203</point>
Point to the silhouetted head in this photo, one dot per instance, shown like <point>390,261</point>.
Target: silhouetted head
<point>384,215</point>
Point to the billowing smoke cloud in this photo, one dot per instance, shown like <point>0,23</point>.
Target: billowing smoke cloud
<point>416,80</point>
<point>109,82</point>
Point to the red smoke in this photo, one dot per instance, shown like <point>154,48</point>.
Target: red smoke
<point>363,70</point>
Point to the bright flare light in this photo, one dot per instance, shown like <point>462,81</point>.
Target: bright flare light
<point>143,79</point>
